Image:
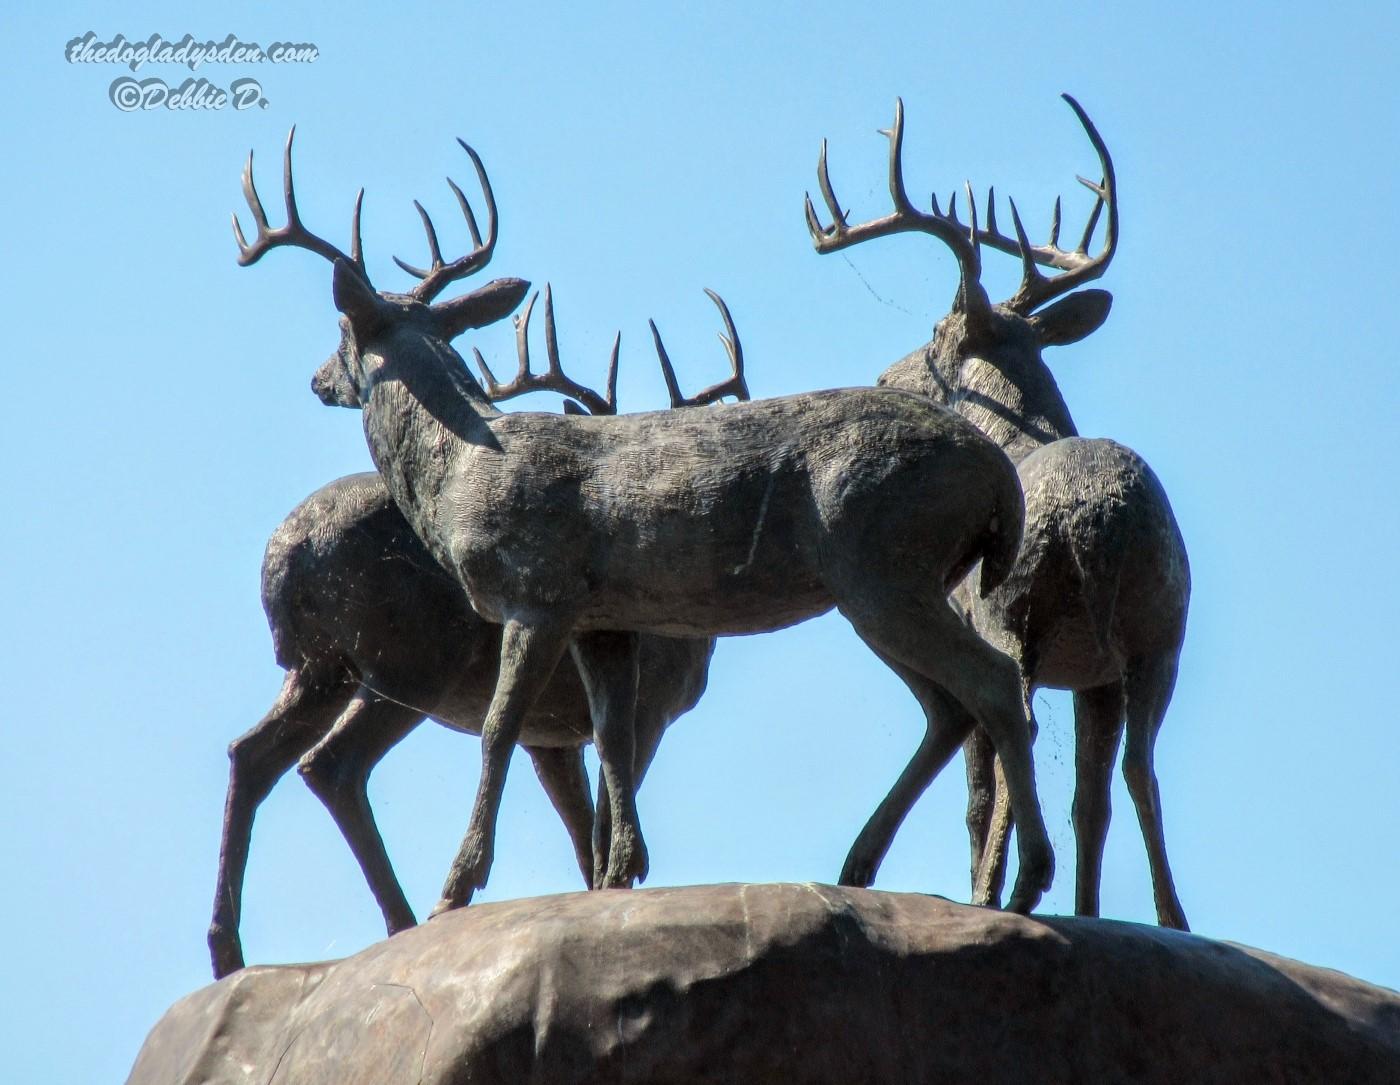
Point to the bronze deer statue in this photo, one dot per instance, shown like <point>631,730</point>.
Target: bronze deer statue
<point>375,636</point>
<point>1096,601</point>
<point>580,533</point>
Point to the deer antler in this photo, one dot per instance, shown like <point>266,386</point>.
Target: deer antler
<point>735,385</point>
<point>965,239</point>
<point>294,233</point>
<point>962,240</point>
<point>553,379</point>
<point>439,274</point>
<point>1078,266</point>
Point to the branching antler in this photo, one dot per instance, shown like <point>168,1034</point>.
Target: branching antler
<point>1078,266</point>
<point>553,379</point>
<point>439,274</point>
<point>294,233</point>
<point>966,239</point>
<point>432,279</point>
<point>962,240</point>
<point>735,385</point>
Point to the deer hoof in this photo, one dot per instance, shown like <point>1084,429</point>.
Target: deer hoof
<point>1172,916</point>
<point>1033,879</point>
<point>446,905</point>
<point>627,863</point>
<point>468,873</point>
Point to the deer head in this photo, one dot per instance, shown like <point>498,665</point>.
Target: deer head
<point>369,315</point>
<point>984,357</point>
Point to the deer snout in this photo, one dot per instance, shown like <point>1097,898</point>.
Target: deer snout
<point>332,384</point>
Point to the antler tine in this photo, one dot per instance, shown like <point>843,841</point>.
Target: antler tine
<point>814,226</point>
<point>903,219</point>
<point>466,212</point>
<point>735,385</point>
<point>899,196</point>
<point>1030,274</point>
<point>433,250</point>
<point>1083,246</point>
<point>436,277</point>
<point>554,378</point>
<point>357,255</point>
<point>493,388</point>
<point>668,371</point>
<point>294,233</point>
<point>1076,264</point>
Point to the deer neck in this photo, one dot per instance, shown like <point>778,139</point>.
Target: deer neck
<point>1020,409</point>
<point>1017,406</point>
<point>422,414</point>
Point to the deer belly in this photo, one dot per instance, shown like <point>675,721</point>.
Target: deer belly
<point>1074,656</point>
<point>687,553</point>
<point>736,613</point>
<point>749,570</point>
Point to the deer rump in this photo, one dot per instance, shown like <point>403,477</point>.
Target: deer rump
<point>728,520</point>
<point>1101,565</point>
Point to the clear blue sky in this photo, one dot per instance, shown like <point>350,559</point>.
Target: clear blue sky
<point>158,426</point>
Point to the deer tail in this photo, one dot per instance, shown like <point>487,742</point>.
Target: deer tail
<point>1002,542</point>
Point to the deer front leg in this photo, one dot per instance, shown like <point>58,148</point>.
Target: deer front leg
<point>989,875</point>
<point>651,724</point>
<point>608,664</point>
<point>979,757</point>
<point>602,833</point>
<point>529,652</point>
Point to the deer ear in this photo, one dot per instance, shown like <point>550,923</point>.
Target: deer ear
<point>494,301</point>
<point>356,299</point>
<point>1071,319</point>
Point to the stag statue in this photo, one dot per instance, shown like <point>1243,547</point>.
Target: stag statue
<point>579,533</point>
<point>1096,601</point>
<point>375,636</point>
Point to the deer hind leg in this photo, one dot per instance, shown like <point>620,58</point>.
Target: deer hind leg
<point>989,872</point>
<point>1148,690</point>
<point>926,636</point>
<point>337,771</point>
<point>565,781</point>
<point>529,653</point>
<point>608,664</point>
<point>947,723</point>
<point>1098,725</point>
<point>304,710</point>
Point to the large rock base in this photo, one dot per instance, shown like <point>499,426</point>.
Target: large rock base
<point>777,983</point>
